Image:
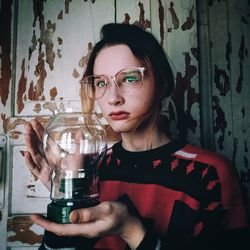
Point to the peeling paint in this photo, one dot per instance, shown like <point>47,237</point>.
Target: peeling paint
<point>31,92</point>
<point>220,124</point>
<point>183,84</point>
<point>53,93</point>
<point>126,18</point>
<point>161,21</point>
<point>66,4</point>
<point>60,15</point>
<point>21,89</point>
<point>194,52</point>
<point>175,20</point>
<point>60,40</point>
<point>189,21</point>
<point>142,22</point>
<point>41,73</point>
<point>50,106</point>
<point>13,124</point>
<point>221,80</point>
<point>14,134</point>
<point>59,55</point>
<point>38,7</point>
<point>245,176</point>
<point>235,150</point>
<point>5,122</point>
<point>243,112</point>
<point>75,73</point>
<point>47,40</point>
<point>5,46</point>
<point>84,60</point>
<point>21,227</point>
<point>46,35</point>
<point>245,162</point>
<point>241,57</point>
<point>31,187</point>
<point>229,50</point>
<point>37,109</point>
<point>34,44</point>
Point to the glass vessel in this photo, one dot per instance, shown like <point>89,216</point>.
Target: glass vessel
<point>73,144</point>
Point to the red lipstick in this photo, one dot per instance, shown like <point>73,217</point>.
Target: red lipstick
<point>120,115</point>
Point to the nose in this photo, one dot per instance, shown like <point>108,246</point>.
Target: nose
<point>113,93</point>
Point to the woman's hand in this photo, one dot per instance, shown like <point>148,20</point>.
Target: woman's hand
<point>107,218</point>
<point>34,156</point>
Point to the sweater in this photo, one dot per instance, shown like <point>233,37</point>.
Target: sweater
<point>186,197</point>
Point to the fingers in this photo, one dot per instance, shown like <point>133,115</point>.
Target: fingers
<point>34,132</point>
<point>41,171</point>
<point>33,140</point>
<point>82,215</point>
<point>30,163</point>
<point>92,213</point>
<point>63,229</point>
<point>38,128</point>
<point>90,222</point>
<point>49,225</point>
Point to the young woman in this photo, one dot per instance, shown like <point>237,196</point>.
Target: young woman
<point>155,193</point>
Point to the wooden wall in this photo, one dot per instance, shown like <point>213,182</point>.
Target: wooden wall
<point>229,32</point>
<point>44,48</point>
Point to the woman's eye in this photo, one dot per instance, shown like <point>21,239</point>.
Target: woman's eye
<point>130,79</point>
<point>100,84</point>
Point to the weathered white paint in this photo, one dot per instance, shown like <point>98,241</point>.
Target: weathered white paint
<point>28,195</point>
<point>79,27</point>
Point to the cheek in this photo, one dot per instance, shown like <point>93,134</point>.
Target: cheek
<point>102,106</point>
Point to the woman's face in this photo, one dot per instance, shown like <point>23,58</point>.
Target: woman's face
<point>123,111</point>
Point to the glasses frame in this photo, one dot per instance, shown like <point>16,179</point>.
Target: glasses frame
<point>114,79</point>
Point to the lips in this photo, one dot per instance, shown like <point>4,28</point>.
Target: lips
<point>121,115</point>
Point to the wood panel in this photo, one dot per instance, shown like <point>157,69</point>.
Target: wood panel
<point>221,89</point>
<point>22,232</point>
<point>52,41</point>
<point>181,47</point>
<point>230,40</point>
<point>239,30</point>
<point>52,46</point>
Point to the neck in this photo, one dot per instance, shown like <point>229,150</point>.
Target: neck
<point>144,140</point>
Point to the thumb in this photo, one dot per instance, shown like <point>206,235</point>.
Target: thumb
<point>74,217</point>
<point>83,215</point>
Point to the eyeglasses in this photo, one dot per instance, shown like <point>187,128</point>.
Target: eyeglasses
<point>128,80</point>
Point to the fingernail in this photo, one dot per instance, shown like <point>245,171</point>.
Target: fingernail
<point>74,217</point>
<point>33,217</point>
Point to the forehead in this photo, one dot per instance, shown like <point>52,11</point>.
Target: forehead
<point>113,58</point>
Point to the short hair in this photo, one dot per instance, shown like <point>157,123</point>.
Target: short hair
<point>144,46</point>
<point>147,49</point>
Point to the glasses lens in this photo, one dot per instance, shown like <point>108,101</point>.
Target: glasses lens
<point>96,86</point>
<point>130,80</point>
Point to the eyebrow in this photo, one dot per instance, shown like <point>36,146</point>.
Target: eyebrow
<point>129,67</point>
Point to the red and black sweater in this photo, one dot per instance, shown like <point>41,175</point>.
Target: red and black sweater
<point>187,197</point>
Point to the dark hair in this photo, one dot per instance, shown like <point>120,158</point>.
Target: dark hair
<point>146,48</point>
<point>143,45</point>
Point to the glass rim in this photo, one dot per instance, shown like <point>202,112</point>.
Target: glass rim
<point>85,81</point>
<point>140,68</point>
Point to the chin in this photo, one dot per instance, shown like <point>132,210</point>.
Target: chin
<point>125,128</point>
